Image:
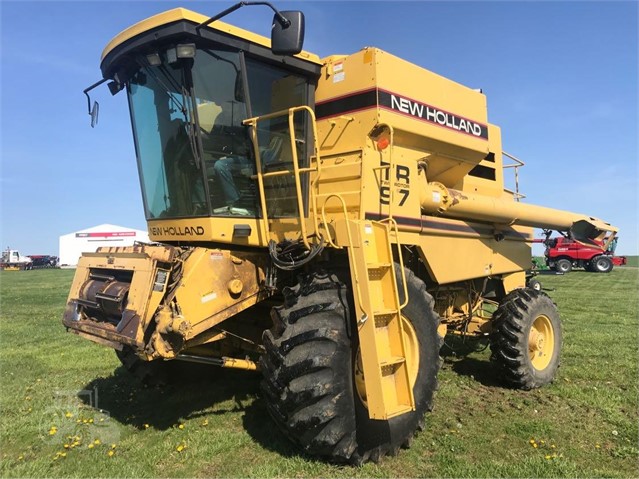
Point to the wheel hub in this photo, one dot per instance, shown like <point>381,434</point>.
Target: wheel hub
<point>541,342</point>
<point>536,341</point>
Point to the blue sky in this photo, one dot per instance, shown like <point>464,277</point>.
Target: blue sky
<point>560,79</point>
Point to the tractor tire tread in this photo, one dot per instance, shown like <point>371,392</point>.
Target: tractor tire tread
<point>509,339</point>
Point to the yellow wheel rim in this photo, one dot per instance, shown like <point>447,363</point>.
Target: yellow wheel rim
<point>541,342</point>
<point>412,360</point>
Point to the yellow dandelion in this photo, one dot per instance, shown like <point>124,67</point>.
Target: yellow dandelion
<point>91,420</point>
<point>113,446</point>
<point>20,457</point>
<point>63,454</point>
<point>28,398</point>
<point>205,422</point>
<point>85,421</point>
<point>597,446</point>
<point>53,431</point>
<point>180,448</point>
<point>146,426</point>
<point>78,421</point>
<point>97,442</point>
<point>101,419</point>
<point>553,446</point>
<point>68,414</point>
<point>181,426</point>
<point>542,441</point>
<point>532,441</point>
<point>30,409</point>
<point>535,445</point>
<point>66,446</point>
<point>90,446</point>
<point>111,453</point>
<point>547,456</point>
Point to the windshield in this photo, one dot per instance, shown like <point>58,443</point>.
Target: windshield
<point>194,154</point>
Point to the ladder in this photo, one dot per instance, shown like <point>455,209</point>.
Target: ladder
<point>389,390</point>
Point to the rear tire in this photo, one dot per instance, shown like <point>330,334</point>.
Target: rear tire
<point>601,264</point>
<point>526,339</point>
<point>308,371</point>
<point>564,265</point>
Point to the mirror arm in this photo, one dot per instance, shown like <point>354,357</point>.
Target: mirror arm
<point>285,22</point>
<point>88,89</point>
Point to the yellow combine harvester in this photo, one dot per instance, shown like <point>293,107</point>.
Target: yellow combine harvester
<point>324,221</point>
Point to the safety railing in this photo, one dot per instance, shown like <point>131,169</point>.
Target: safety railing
<point>516,165</point>
<point>296,172</point>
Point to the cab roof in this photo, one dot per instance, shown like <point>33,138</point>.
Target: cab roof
<point>179,14</point>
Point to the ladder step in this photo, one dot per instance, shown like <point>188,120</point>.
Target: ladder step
<point>392,361</point>
<point>400,410</point>
<point>378,265</point>
<point>385,312</point>
<point>384,359</point>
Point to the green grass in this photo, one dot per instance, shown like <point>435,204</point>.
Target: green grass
<point>633,261</point>
<point>477,429</point>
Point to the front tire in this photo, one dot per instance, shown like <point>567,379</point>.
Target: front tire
<point>309,366</point>
<point>526,339</point>
<point>564,265</point>
<point>601,264</point>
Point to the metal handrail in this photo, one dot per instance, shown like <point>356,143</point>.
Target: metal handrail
<point>350,242</point>
<point>252,122</point>
<point>518,163</point>
<point>393,224</point>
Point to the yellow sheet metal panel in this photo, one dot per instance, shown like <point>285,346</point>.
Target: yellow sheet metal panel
<point>487,177</point>
<point>208,293</point>
<point>450,117</point>
<point>427,111</point>
<point>178,14</point>
<point>206,229</point>
<point>452,258</point>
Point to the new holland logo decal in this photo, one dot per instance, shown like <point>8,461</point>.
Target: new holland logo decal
<point>377,98</point>
<point>431,114</point>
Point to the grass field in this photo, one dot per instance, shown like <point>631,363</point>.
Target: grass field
<point>58,389</point>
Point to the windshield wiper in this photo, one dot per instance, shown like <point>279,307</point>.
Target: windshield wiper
<point>143,62</point>
<point>187,111</point>
<point>190,129</point>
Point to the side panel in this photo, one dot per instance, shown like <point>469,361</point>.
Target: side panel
<point>218,284</point>
<point>456,250</point>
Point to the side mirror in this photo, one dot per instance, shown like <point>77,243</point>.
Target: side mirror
<point>93,111</point>
<point>287,39</point>
<point>94,114</point>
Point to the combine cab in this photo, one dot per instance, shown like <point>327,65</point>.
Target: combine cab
<point>323,221</point>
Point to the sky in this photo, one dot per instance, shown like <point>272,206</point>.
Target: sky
<point>560,80</point>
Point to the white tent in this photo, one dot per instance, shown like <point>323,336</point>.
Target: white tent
<point>72,245</point>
